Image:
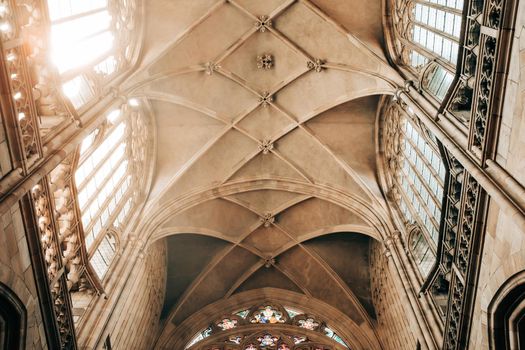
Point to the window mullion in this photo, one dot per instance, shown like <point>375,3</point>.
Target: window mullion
<point>428,54</point>
<point>437,31</point>
<point>424,158</point>
<point>90,200</point>
<point>78,15</point>
<point>96,240</point>
<point>100,163</point>
<point>421,201</point>
<point>71,73</point>
<point>415,214</point>
<point>423,182</point>
<point>440,7</point>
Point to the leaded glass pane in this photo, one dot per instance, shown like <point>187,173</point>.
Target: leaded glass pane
<point>418,179</point>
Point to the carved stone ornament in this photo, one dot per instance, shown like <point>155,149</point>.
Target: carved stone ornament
<point>266,146</point>
<point>263,23</point>
<point>266,99</point>
<point>265,61</point>
<point>269,262</point>
<point>52,257</point>
<point>316,65</point>
<point>210,67</point>
<point>267,219</point>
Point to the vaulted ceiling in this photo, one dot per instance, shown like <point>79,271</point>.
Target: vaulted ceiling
<point>266,174</point>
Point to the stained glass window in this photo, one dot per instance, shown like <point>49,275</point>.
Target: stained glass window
<point>268,315</point>
<point>227,323</point>
<point>308,323</point>
<point>331,334</point>
<point>267,340</point>
<point>298,339</point>
<point>247,328</point>
<point>293,312</point>
<point>243,313</point>
<point>200,336</point>
<point>236,339</point>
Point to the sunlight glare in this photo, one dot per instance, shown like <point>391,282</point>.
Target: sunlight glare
<point>78,42</point>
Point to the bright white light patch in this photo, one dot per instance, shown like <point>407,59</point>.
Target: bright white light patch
<point>71,88</point>
<point>133,102</point>
<point>113,116</point>
<point>80,41</point>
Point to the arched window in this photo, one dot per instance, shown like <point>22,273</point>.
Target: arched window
<point>90,42</point>
<point>112,163</point>
<point>426,40</point>
<point>104,254</point>
<point>12,320</point>
<point>239,326</point>
<point>416,173</point>
<point>506,314</point>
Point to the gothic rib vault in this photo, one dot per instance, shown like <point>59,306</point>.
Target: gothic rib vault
<point>255,162</point>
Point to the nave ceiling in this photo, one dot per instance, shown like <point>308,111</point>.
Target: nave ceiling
<point>266,166</point>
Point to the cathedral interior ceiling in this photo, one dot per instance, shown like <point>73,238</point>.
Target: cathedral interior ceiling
<point>266,143</point>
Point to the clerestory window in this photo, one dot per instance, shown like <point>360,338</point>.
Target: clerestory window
<point>111,164</point>
<point>417,174</point>
<point>426,35</point>
<point>90,42</point>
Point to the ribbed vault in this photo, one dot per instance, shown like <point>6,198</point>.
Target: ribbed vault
<point>266,134</point>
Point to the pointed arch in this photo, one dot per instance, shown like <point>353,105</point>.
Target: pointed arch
<point>12,320</point>
<point>506,315</point>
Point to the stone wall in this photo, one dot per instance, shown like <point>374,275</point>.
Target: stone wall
<point>393,327</point>
<point>17,274</point>
<point>504,245</point>
<point>5,158</point>
<point>134,321</point>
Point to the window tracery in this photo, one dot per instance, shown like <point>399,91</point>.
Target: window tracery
<point>112,162</point>
<point>266,315</point>
<point>416,174</point>
<point>426,41</point>
<point>90,42</point>
<point>60,55</point>
<point>274,340</point>
<point>427,29</point>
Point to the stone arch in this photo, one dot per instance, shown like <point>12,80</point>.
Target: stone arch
<point>506,315</point>
<point>13,321</point>
<point>349,330</point>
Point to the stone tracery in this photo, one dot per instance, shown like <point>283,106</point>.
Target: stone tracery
<point>247,337</point>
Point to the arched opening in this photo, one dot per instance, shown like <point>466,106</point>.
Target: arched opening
<point>267,325</point>
<point>90,43</point>
<point>112,162</point>
<point>507,315</point>
<point>416,174</point>
<point>12,320</point>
